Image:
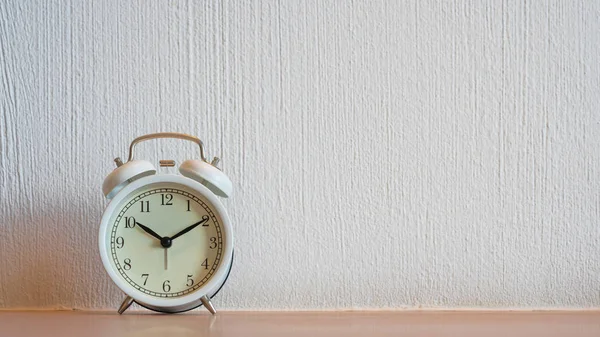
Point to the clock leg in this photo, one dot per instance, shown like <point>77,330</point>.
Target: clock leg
<point>206,302</point>
<point>126,303</point>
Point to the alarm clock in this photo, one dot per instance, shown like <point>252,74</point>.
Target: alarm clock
<point>165,239</point>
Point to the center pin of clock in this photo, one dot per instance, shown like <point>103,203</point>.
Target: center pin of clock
<point>166,242</point>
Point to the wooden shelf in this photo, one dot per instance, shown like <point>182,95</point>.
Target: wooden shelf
<point>312,324</point>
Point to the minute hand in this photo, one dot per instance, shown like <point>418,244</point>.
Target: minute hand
<point>189,228</point>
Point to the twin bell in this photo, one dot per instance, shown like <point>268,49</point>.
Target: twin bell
<point>208,174</point>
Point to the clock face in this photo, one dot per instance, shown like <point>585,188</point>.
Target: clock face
<point>165,240</point>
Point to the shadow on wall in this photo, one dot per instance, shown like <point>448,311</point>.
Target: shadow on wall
<point>50,256</point>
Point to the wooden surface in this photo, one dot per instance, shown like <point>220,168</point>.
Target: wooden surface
<point>313,324</point>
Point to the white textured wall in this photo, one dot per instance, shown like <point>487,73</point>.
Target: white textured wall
<point>384,154</point>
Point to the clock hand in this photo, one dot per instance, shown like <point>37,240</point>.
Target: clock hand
<point>189,228</point>
<point>149,231</point>
<point>166,260</point>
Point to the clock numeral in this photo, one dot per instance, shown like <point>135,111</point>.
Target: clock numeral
<point>205,264</point>
<point>129,222</point>
<point>146,278</point>
<point>213,243</point>
<point>127,263</point>
<point>205,218</point>
<point>188,209</point>
<point>166,286</point>
<point>190,282</point>
<point>145,206</point>
<point>120,242</point>
<point>168,198</point>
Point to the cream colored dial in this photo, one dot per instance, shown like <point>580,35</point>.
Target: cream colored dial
<point>166,240</point>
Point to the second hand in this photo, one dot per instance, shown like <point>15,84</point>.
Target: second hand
<point>166,260</point>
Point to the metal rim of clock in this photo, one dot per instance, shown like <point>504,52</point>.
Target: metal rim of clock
<point>173,304</point>
<point>174,135</point>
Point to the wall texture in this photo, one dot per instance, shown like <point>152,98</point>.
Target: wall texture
<point>384,154</point>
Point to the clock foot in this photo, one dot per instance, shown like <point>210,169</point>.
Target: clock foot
<point>126,303</point>
<point>206,302</point>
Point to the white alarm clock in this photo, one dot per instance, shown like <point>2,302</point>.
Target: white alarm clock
<point>165,239</point>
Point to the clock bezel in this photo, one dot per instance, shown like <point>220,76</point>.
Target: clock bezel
<point>168,304</point>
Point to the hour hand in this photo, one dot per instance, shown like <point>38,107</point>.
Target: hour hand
<point>149,231</point>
